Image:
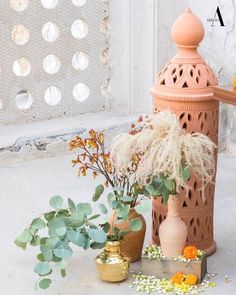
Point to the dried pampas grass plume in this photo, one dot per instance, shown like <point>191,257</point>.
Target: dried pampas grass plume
<point>162,147</point>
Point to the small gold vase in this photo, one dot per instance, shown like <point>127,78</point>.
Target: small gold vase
<point>112,265</point>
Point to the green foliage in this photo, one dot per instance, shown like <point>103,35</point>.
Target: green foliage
<point>43,269</point>
<point>71,205</point>
<point>162,186</point>
<point>98,192</point>
<point>24,238</point>
<point>76,224</point>
<point>185,172</point>
<point>45,283</point>
<point>144,207</point>
<point>97,235</point>
<point>103,208</point>
<point>56,202</point>
<point>38,223</point>
<point>135,224</point>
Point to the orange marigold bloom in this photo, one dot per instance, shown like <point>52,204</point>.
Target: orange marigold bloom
<point>178,278</point>
<point>191,279</point>
<point>190,252</point>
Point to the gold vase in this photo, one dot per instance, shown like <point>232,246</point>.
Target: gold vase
<point>112,265</point>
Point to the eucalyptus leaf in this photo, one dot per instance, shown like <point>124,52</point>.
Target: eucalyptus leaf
<point>63,272</point>
<point>106,227</point>
<point>144,207</point>
<point>62,264</point>
<point>94,217</point>
<point>165,196</point>
<point>150,189</point>
<point>98,192</point>
<point>169,184</point>
<point>77,218</point>
<point>127,199</point>
<point>38,223</point>
<point>71,205</point>
<point>84,208</point>
<point>45,283</point>
<point>114,204</point>
<point>56,202</point>
<point>135,224</point>
<point>24,238</point>
<point>76,238</point>
<point>63,252</point>
<point>110,198</point>
<point>57,227</point>
<point>20,244</point>
<point>185,173</point>
<point>40,257</point>
<point>49,216</point>
<point>46,252</point>
<point>35,241</point>
<point>103,208</point>
<point>56,259</point>
<point>43,269</point>
<point>95,245</point>
<point>125,211</point>
<point>97,235</point>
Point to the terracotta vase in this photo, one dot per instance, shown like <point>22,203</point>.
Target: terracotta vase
<point>132,245</point>
<point>173,230</point>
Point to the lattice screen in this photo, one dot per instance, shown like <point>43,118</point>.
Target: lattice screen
<point>53,58</point>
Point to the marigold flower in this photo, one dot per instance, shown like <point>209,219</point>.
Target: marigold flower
<point>177,278</point>
<point>190,252</point>
<point>191,279</point>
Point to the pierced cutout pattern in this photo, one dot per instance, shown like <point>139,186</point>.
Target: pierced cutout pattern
<point>48,57</point>
<point>186,76</point>
<point>196,212</point>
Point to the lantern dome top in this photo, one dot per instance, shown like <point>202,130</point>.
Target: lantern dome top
<point>187,72</point>
<point>187,30</point>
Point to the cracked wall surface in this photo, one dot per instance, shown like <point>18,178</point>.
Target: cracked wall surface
<point>218,49</point>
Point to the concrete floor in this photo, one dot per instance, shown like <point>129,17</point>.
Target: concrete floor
<point>24,194</point>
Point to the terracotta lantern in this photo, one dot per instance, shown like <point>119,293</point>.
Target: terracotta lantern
<point>184,86</point>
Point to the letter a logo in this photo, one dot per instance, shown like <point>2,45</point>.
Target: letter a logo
<point>220,19</point>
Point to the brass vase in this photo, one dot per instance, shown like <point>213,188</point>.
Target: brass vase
<point>112,265</point>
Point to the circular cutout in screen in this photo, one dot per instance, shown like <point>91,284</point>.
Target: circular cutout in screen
<point>22,67</point>
<point>23,100</point>
<point>79,29</point>
<point>81,92</point>
<point>20,34</point>
<point>52,95</point>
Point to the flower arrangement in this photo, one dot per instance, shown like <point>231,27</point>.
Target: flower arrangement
<point>93,157</point>
<point>128,199</point>
<point>165,155</point>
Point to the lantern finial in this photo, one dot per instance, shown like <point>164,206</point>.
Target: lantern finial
<point>188,30</point>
